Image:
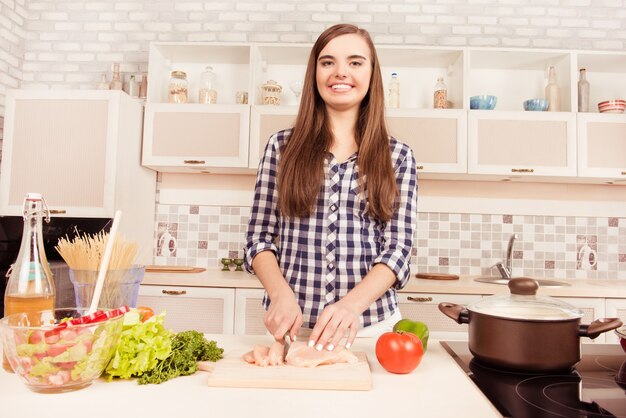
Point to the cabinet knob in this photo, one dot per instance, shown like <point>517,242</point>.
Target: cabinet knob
<point>174,292</point>
<point>57,211</point>
<point>523,170</point>
<point>419,167</point>
<point>423,299</point>
<point>195,162</point>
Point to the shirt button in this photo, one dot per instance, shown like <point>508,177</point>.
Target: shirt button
<point>333,208</point>
<point>331,266</point>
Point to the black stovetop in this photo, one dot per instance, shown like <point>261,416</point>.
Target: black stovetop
<point>596,387</point>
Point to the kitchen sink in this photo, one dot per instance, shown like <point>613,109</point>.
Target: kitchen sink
<point>499,280</point>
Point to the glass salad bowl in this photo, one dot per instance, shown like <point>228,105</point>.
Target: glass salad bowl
<point>62,349</point>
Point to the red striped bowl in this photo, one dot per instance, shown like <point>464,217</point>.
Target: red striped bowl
<point>612,106</point>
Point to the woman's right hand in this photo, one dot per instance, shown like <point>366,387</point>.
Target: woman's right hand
<point>283,316</point>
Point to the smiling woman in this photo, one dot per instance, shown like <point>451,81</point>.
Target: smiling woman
<point>332,222</point>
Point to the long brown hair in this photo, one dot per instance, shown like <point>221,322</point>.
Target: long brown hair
<point>301,168</point>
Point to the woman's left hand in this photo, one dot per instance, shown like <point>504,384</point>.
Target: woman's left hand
<point>336,321</point>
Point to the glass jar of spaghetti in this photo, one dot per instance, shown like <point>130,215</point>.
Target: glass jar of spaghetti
<point>178,87</point>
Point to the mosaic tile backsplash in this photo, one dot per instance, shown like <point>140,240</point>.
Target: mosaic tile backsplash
<point>560,247</point>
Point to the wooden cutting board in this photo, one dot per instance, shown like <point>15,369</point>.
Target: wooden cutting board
<point>174,269</point>
<point>437,276</point>
<point>233,372</point>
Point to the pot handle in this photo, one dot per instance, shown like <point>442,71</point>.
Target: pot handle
<point>457,312</point>
<point>599,326</point>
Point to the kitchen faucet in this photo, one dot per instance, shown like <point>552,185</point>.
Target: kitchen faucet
<point>506,268</point>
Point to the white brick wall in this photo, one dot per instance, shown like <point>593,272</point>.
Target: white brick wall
<point>38,36</point>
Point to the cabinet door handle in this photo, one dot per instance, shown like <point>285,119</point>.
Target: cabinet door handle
<point>523,170</point>
<point>623,173</point>
<point>419,167</point>
<point>174,292</point>
<point>57,211</point>
<point>414,299</point>
<point>194,162</point>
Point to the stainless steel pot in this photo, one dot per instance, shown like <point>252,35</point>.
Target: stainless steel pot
<point>524,331</point>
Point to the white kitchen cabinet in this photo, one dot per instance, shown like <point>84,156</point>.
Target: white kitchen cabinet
<point>602,146</point>
<point>522,144</point>
<point>456,143</point>
<point>264,122</point>
<point>249,312</point>
<point>196,137</point>
<point>593,308</point>
<point>205,309</point>
<point>437,137</point>
<point>615,308</point>
<point>82,151</point>
<point>424,307</point>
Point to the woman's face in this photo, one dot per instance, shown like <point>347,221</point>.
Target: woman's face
<point>344,70</point>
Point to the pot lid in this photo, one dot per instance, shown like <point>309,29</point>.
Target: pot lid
<point>523,303</point>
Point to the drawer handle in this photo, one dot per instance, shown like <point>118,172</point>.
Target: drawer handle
<point>413,299</point>
<point>195,162</point>
<point>57,211</point>
<point>419,167</point>
<point>523,170</point>
<point>174,292</point>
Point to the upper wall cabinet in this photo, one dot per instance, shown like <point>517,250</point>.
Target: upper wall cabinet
<point>195,137</point>
<point>602,146</point>
<point>516,144</point>
<point>602,137</point>
<point>81,150</point>
<point>505,142</point>
<point>437,137</point>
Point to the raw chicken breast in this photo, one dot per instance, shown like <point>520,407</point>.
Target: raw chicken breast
<point>263,356</point>
<point>301,355</point>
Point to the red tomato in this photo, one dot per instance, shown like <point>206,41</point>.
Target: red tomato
<point>145,313</point>
<point>399,352</point>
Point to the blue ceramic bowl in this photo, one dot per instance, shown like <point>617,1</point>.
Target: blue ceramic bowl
<point>538,105</point>
<point>483,102</point>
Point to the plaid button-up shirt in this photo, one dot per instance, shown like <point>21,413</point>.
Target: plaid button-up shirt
<point>324,256</point>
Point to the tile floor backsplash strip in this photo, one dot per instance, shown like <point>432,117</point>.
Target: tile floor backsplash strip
<point>468,244</point>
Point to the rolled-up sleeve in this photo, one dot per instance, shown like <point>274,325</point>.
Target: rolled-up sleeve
<point>399,231</point>
<point>263,224</point>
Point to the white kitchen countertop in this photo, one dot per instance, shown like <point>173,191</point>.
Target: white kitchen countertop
<point>437,388</point>
<point>600,288</point>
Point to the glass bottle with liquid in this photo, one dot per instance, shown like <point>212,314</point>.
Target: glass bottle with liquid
<point>440,97</point>
<point>553,92</point>
<point>116,79</point>
<point>394,91</point>
<point>31,286</point>
<point>208,93</point>
<point>583,91</point>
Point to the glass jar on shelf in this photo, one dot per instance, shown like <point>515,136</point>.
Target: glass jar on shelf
<point>178,88</point>
<point>270,93</point>
<point>208,93</point>
<point>440,97</point>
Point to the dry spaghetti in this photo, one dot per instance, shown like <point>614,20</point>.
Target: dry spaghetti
<point>83,254</point>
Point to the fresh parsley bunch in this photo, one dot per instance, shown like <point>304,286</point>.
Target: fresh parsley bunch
<point>188,347</point>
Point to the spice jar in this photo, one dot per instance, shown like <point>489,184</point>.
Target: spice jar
<point>271,93</point>
<point>178,88</point>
